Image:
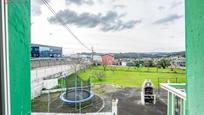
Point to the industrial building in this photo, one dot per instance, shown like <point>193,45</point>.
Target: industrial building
<point>38,50</point>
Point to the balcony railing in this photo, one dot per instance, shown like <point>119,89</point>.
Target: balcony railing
<point>176,98</point>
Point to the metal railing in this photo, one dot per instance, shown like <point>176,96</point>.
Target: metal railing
<point>176,98</point>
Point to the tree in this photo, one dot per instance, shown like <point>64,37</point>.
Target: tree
<point>149,63</point>
<point>141,63</point>
<point>99,75</point>
<point>104,67</point>
<point>129,64</point>
<point>163,63</point>
<point>137,64</point>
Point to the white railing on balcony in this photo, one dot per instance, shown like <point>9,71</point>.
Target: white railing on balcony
<point>176,98</point>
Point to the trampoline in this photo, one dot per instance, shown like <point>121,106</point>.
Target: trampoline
<point>78,91</point>
<point>76,96</point>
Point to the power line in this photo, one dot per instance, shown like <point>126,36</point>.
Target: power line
<point>63,24</point>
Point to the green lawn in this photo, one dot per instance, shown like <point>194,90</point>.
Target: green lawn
<point>131,77</point>
<point>141,69</point>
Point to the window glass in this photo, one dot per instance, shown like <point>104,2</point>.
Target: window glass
<point>44,48</point>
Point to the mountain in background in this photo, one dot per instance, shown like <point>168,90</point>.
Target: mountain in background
<point>143,55</point>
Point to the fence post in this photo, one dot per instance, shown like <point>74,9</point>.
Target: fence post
<point>176,79</point>
<point>48,101</point>
<point>115,106</point>
<point>158,85</point>
<point>171,104</point>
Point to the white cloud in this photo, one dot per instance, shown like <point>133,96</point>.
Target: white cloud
<point>144,37</point>
<point>169,18</point>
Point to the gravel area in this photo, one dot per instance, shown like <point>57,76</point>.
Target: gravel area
<point>129,101</point>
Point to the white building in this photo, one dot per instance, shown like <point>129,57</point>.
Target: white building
<point>97,59</point>
<point>124,63</point>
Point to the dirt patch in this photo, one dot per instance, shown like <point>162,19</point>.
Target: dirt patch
<point>105,88</point>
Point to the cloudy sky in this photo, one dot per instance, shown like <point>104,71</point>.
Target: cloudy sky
<point>110,25</point>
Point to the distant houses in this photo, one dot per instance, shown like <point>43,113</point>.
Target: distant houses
<point>178,62</point>
<point>108,59</point>
<point>112,59</point>
<point>181,62</point>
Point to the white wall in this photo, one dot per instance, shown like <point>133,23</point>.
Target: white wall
<point>39,78</point>
<point>124,63</point>
<point>97,58</point>
<point>50,83</point>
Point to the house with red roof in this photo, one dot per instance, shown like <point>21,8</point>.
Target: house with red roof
<point>108,59</point>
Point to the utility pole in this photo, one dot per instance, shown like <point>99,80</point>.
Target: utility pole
<point>92,54</point>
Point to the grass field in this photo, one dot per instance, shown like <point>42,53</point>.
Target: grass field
<point>141,69</point>
<point>131,77</point>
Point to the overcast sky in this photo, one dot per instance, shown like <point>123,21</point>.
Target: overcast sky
<point>111,25</point>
